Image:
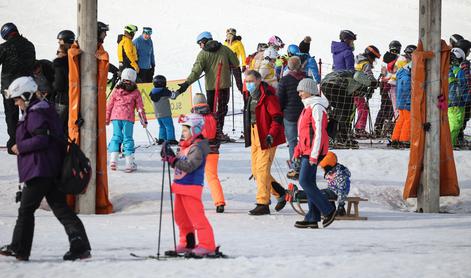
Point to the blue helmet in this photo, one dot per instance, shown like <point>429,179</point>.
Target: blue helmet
<point>293,50</point>
<point>7,29</point>
<point>204,36</point>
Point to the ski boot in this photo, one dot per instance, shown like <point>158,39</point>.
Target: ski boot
<point>114,161</point>
<point>130,164</point>
<point>183,249</point>
<point>220,209</point>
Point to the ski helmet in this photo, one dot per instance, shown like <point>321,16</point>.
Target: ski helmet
<point>23,87</point>
<point>409,49</point>
<point>7,29</point>
<point>129,74</point>
<point>395,46</point>
<point>276,41</point>
<point>454,39</point>
<point>102,27</point>
<point>373,52</point>
<point>347,35</point>
<point>293,50</point>
<point>270,53</point>
<point>159,81</point>
<point>457,55</point>
<point>67,36</point>
<point>262,46</point>
<point>194,121</point>
<point>204,37</point>
<point>147,30</point>
<point>231,31</point>
<point>465,45</point>
<point>131,29</point>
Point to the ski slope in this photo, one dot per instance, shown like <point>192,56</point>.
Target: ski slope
<point>393,242</point>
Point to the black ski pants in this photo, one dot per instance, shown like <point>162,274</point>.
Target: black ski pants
<point>222,108</point>
<point>11,118</point>
<point>34,191</point>
<point>386,111</point>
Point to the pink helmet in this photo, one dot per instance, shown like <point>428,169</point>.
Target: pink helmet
<point>276,41</point>
<point>194,121</point>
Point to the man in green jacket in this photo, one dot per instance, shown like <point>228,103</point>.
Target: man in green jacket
<point>216,61</point>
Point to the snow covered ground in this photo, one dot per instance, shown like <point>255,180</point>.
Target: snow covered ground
<point>393,242</point>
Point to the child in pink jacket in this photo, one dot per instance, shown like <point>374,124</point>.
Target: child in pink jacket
<point>120,111</point>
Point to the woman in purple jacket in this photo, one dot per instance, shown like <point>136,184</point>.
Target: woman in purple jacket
<point>342,52</point>
<point>40,156</point>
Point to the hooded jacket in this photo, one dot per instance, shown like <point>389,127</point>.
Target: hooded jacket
<point>290,102</point>
<point>342,55</point>
<point>189,167</point>
<point>127,53</point>
<point>145,52</point>
<point>122,104</point>
<point>403,89</point>
<point>161,99</point>
<point>238,48</point>
<point>312,129</point>
<point>208,60</point>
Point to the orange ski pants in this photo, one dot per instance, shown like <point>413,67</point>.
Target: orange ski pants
<point>211,175</point>
<point>402,128</point>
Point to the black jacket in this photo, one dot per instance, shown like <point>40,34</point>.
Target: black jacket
<point>61,80</point>
<point>17,57</point>
<point>290,102</point>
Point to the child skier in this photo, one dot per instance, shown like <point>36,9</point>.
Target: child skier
<point>187,185</point>
<point>200,106</point>
<point>160,96</point>
<point>120,111</point>
<point>338,179</point>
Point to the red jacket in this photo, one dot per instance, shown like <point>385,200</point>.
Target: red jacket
<point>269,118</point>
<point>312,132</point>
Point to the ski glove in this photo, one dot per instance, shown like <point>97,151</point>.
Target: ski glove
<point>174,95</point>
<point>269,140</point>
<point>183,87</point>
<point>166,151</point>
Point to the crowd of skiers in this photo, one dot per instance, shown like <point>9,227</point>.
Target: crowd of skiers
<point>285,99</point>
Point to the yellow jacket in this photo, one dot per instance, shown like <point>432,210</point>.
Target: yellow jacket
<point>127,53</point>
<point>238,48</point>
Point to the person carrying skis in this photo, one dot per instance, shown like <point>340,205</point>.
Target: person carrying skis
<point>200,106</point>
<point>338,179</point>
<point>234,42</point>
<point>312,147</point>
<point>40,156</point>
<point>189,164</point>
<point>216,61</point>
<point>364,63</point>
<point>120,111</point>
<point>127,53</point>
<point>263,132</point>
<point>160,96</point>
<point>145,55</point>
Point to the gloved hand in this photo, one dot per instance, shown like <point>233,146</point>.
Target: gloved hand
<point>183,87</point>
<point>168,155</point>
<point>269,140</point>
<point>174,95</point>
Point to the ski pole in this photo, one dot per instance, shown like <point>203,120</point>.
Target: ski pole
<point>199,85</point>
<point>161,207</point>
<point>232,96</point>
<point>171,207</point>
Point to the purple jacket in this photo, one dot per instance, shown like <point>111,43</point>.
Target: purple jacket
<point>39,155</point>
<point>342,55</point>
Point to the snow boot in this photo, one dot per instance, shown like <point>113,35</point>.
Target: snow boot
<point>281,200</point>
<point>7,251</point>
<point>77,251</point>
<point>341,210</point>
<point>114,161</point>
<point>130,164</point>
<point>328,219</point>
<point>160,141</point>
<point>260,210</point>
<point>220,209</point>
<point>306,224</point>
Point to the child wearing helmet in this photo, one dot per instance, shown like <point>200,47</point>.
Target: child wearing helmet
<point>127,52</point>
<point>267,67</point>
<point>124,99</point>
<point>189,164</point>
<point>338,179</point>
<point>160,96</point>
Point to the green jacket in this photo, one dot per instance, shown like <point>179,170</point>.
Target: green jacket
<point>208,60</point>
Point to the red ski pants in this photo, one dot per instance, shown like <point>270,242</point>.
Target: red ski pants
<point>362,111</point>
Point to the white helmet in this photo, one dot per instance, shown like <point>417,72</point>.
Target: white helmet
<point>23,87</point>
<point>129,74</point>
<point>270,53</point>
<point>458,53</point>
<point>194,121</point>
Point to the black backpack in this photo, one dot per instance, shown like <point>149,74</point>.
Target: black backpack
<point>76,170</point>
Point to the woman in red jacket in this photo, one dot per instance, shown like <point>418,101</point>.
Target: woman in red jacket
<point>313,145</point>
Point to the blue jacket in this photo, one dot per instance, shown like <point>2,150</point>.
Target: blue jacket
<point>403,88</point>
<point>342,55</point>
<point>309,65</point>
<point>458,91</point>
<point>145,53</point>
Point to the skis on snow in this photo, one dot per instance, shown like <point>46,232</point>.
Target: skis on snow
<point>171,254</point>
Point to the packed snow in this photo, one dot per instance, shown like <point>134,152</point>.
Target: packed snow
<point>394,241</point>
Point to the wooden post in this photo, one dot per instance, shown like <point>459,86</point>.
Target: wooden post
<point>87,38</point>
<point>428,197</point>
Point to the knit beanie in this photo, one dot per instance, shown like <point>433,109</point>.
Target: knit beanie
<point>294,63</point>
<point>199,98</point>
<point>308,85</point>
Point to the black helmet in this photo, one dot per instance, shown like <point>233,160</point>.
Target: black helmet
<point>465,45</point>
<point>67,36</point>
<point>454,39</point>
<point>159,81</point>
<point>373,52</point>
<point>102,27</point>
<point>409,49</point>
<point>395,46</point>
<point>7,29</point>
<point>347,35</point>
